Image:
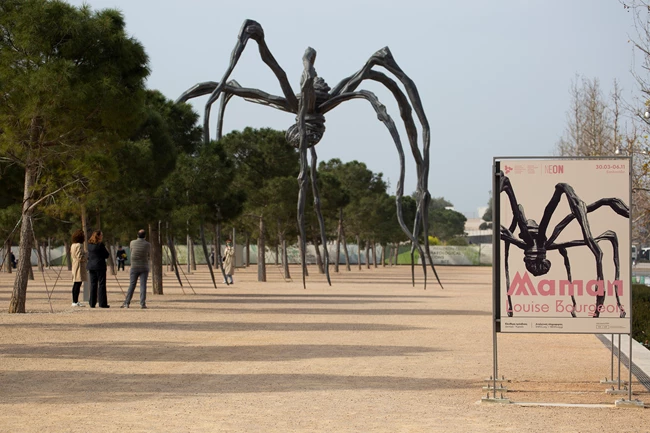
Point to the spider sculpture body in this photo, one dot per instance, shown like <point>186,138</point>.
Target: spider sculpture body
<point>315,100</point>
<point>532,238</point>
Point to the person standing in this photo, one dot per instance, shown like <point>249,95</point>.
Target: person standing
<point>140,253</point>
<point>229,261</point>
<point>79,259</point>
<point>97,255</point>
<point>121,257</point>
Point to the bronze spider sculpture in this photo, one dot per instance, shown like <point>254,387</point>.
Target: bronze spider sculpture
<point>315,99</point>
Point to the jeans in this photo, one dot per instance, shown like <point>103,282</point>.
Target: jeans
<point>98,288</point>
<point>229,277</point>
<point>76,288</point>
<point>135,273</point>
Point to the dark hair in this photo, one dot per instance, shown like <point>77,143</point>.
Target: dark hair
<point>94,238</point>
<point>142,234</point>
<point>78,236</point>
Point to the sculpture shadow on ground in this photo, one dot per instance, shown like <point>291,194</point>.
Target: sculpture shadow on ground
<point>46,386</point>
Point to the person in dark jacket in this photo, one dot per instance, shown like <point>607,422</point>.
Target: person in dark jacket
<point>121,257</point>
<point>97,255</point>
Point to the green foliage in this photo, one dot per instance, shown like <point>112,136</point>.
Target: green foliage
<point>434,240</point>
<point>438,203</point>
<point>640,312</point>
<point>71,89</point>
<point>447,224</point>
<point>265,167</point>
<point>71,75</point>
<point>458,241</point>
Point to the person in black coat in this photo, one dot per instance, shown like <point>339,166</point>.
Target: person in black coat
<point>97,255</point>
<point>121,257</point>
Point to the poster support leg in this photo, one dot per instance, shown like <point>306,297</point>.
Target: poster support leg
<point>629,403</point>
<point>611,380</point>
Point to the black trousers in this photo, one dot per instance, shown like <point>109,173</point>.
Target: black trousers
<point>98,288</point>
<point>76,286</point>
<point>120,264</point>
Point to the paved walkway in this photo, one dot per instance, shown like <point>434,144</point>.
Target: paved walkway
<point>640,357</point>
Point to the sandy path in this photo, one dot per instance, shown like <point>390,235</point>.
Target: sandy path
<point>370,353</point>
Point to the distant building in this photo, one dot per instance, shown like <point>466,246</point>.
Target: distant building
<point>474,234</point>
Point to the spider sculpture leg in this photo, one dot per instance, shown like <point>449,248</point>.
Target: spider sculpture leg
<point>385,118</point>
<point>306,105</point>
<point>251,30</point>
<point>385,59</point>
<point>506,255</point>
<point>518,215</point>
<point>611,237</point>
<point>567,266</point>
<point>508,239</point>
<point>579,212</point>
<point>321,222</point>
<point>615,204</point>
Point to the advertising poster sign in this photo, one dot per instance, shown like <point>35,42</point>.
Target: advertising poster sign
<point>563,255</point>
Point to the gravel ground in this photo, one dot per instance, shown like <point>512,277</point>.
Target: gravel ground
<point>370,353</point>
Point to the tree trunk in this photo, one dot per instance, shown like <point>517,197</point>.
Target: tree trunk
<point>305,254</point>
<point>374,254</point>
<point>217,250</point>
<point>345,248</point>
<point>87,232</point>
<point>193,254</point>
<point>39,257</point>
<point>277,254</point>
<point>234,245</point>
<point>397,254</point>
<point>19,294</point>
<point>68,257</point>
<point>359,251</point>
<point>111,259</point>
<point>48,256</point>
<point>248,250</point>
<point>383,255</point>
<point>338,241</point>
<point>170,265</point>
<point>7,262</point>
<point>156,260</point>
<point>188,246</point>
<point>261,260</point>
<point>367,254</point>
<point>285,258</point>
<point>319,259</point>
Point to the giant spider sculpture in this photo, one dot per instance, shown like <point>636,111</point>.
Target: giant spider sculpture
<point>533,241</point>
<point>315,99</point>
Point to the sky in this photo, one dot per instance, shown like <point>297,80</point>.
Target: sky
<point>493,76</point>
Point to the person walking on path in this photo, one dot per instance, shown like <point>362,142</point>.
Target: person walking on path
<point>120,255</point>
<point>97,255</point>
<point>229,261</point>
<point>79,259</point>
<point>140,253</point>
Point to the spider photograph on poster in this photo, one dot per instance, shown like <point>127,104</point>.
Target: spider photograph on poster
<point>564,231</point>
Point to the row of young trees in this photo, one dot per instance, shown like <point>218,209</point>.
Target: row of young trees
<point>84,142</point>
<point>600,124</point>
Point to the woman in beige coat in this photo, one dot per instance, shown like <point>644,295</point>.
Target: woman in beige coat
<point>229,261</point>
<point>79,260</point>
